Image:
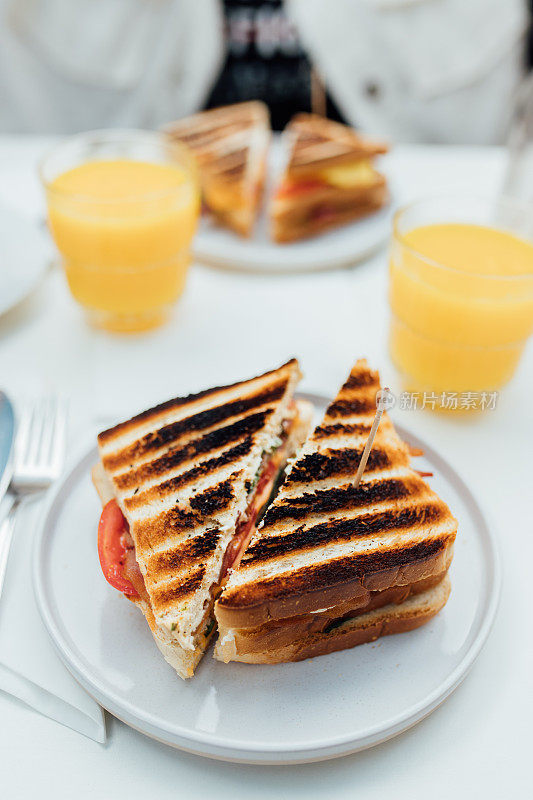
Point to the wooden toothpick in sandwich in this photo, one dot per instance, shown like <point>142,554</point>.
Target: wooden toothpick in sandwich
<point>384,400</point>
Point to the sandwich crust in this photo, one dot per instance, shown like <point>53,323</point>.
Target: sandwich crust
<point>316,216</point>
<point>336,583</point>
<point>384,621</point>
<point>274,635</point>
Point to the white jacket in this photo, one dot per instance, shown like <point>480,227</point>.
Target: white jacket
<point>72,65</point>
<point>418,70</point>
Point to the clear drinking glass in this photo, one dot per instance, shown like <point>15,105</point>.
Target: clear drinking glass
<point>122,208</point>
<point>518,180</point>
<point>460,292</point>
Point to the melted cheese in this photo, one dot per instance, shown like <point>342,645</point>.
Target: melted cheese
<point>346,176</point>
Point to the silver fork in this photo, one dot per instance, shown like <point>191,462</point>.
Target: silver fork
<point>39,454</point>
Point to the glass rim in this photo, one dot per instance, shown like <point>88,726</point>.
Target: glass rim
<point>502,200</point>
<point>110,136</point>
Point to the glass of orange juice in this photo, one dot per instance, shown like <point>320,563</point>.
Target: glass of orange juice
<point>460,292</point>
<point>122,208</point>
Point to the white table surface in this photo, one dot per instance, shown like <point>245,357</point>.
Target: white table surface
<point>231,326</point>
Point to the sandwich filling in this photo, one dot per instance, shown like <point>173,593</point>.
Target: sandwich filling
<point>359,174</point>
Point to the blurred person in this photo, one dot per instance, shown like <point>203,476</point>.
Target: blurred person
<point>412,70</point>
<point>73,65</point>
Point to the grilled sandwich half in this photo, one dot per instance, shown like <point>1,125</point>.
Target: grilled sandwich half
<point>329,180</point>
<point>230,144</point>
<point>333,565</point>
<point>183,485</point>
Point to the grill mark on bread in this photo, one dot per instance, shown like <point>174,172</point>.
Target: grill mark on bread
<point>232,171</point>
<point>348,569</point>
<point>237,116</point>
<point>340,429</point>
<point>170,433</point>
<point>345,529</point>
<point>202,139</point>
<point>177,402</point>
<point>200,471</point>
<point>351,407</point>
<point>152,532</point>
<point>176,559</point>
<point>215,440</point>
<point>358,379</point>
<point>337,499</point>
<point>215,498</point>
<point>318,141</point>
<point>169,594</point>
<point>232,162</point>
<point>319,466</point>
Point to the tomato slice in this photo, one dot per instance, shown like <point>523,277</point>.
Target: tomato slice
<point>290,188</point>
<point>112,548</point>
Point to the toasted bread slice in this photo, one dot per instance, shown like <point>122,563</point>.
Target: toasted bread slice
<point>230,144</point>
<point>329,179</point>
<point>315,216</point>
<point>393,618</point>
<point>184,474</point>
<point>319,143</point>
<point>275,634</point>
<point>324,543</point>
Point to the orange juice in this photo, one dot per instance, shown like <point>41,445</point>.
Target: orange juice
<point>461,296</point>
<point>124,228</point>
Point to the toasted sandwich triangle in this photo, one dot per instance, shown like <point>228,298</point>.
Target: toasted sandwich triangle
<point>185,477</point>
<point>329,179</point>
<point>327,548</point>
<point>230,144</point>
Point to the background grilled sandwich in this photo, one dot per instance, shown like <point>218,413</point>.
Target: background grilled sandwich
<point>333,565</point>
<point>329,179</point>
<point>190,477</point>
<point>230,145</point>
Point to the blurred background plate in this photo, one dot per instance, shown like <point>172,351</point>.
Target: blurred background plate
<point>341,247</point>
<point>24,257</point>
<point>288,713</point>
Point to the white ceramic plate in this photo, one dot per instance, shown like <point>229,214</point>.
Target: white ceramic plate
<point>24,257</point>
<point>308,711</point>
<point>337,248</point>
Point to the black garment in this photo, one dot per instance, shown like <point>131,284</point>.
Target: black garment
<point>265,61</point>
<point>529,44</point>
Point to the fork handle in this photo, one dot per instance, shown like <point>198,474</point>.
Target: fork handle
<point>6,534</point>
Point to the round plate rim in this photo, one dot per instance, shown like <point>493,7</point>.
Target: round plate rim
<point>231,264</point>
<point>211,745</point>
<point>41,241</point>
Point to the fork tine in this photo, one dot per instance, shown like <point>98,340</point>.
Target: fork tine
<point>23,435</point>
<point>45,455</point>
<point>36,435</point>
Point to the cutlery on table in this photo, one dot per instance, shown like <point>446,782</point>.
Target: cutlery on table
<point>7,436</point>
<point>38,459</point>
